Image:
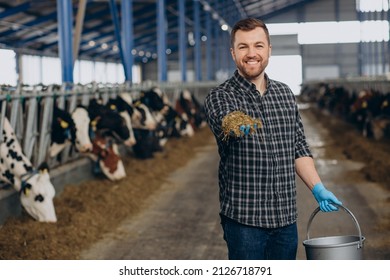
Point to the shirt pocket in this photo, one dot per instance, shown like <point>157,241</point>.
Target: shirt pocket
<point>284,118</point>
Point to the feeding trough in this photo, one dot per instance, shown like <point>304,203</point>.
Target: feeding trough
<point>349,247</point>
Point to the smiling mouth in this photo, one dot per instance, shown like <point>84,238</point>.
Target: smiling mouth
<point>252,62</point>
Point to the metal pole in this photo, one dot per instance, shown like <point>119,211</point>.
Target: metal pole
<point>79,28</point>
<point>198,54</point>
<point>65,21</point>
<point>161,39</point>
<point>209,62</point>
<point>128,37</point>
<point>182,41</point>
<point>114,14</point>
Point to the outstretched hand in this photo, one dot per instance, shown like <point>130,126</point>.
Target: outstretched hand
<point>246,129</point>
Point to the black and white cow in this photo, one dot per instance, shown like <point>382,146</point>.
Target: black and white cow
<point>171,123</point>
<point>69,129</point>
<point>145,126</point>
<point>108,122</point>
<point>33,185</point>
<point>122,104</point>
<point>189,108</point>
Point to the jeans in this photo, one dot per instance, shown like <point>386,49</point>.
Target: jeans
<point>255,243</point>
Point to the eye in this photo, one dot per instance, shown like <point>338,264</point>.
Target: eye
<point>39,198</point>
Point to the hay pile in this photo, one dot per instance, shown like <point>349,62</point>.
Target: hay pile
<point>92,208</point>
<point>232,122</point>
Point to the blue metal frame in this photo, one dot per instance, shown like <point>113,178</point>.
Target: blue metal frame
<point>197,49</point>
<point>65,21</point>
<point>182,41</point>
<point>115,19</point>
<point>128,37</point>
<point>209,60</point>
<point>161,39</point>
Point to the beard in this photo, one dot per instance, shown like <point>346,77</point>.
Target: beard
<point>250,72</point>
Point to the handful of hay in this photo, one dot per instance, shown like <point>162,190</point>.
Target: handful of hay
<point>231,124</point>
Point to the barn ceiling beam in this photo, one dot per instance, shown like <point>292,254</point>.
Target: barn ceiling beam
<point>8,11</point>
<point>52,31</point>
<point>280,9</point>
<point>30,24</point>
<point>78,28</point>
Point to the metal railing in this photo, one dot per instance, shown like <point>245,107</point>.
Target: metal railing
<point>379,83</point>
<point>30,110</point>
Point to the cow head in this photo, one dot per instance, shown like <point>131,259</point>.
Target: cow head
<point>34,186</point>
<point>190,109</point>
<point>142,117</point>
<point>108,122</point>
<point>81,119</point>
<point>106,154</point>
<point>125,110</point>
<point>63,131</point>
<point>153,100</point>
<point>36,195</point>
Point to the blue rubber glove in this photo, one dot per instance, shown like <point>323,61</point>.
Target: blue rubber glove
<point>325,198</point>
<point>246,129</point>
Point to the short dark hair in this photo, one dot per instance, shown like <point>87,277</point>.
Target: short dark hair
<point>248,24</point>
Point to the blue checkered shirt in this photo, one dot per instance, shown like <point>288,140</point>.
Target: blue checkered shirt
<point>257,172</point>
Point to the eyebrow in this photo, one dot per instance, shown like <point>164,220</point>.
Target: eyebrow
<point>255,43</point>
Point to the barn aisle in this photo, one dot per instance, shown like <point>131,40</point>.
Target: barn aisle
<point>181,221</point>
<point>368,201</point>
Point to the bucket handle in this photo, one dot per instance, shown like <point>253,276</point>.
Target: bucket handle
<point>346,210</point>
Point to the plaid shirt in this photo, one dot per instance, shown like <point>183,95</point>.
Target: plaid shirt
<point>257,172</point>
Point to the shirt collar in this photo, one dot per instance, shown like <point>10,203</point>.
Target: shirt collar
<point>247,85</point>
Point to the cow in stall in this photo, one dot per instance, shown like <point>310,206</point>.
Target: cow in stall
<point>105,154</point>
<point>380,125</point>
<point>108,129</point>
<point>360,112</point>
<point>145,131</point>
<point>109,122</point>
<point>365,109</point>
<point>33,185</point>
<point>188,107</point>
<point>171,124</point>
<point>70,129</point>
<point>122,104</point>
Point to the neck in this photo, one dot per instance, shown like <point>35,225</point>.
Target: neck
<point>261,84</point>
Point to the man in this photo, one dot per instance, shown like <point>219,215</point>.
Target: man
<point>260,153</point>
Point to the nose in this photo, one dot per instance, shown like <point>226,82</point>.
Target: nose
<point>86,148</point>
<point>251,51</point>
<point>130,142</point>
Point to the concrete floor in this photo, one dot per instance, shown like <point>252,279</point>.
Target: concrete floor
<point>181,221</point>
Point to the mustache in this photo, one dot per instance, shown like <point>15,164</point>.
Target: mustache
<point>247,58</point>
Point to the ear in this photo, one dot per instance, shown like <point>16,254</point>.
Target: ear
<point>232,53</point>
<point>26,190</point>
<point>43,167</point>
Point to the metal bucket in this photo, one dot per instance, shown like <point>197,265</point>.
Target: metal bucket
<point>348,247</point>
